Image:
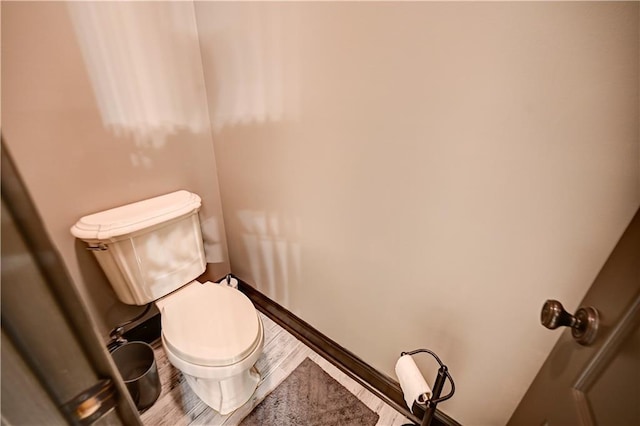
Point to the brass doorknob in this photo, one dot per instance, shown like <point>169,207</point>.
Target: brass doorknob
<point>584,324</point>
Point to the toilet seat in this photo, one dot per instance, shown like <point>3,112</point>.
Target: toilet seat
<point>209,324</point>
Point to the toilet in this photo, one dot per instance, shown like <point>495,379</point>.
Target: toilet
<point>152,251</point>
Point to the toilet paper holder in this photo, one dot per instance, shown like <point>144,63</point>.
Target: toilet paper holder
<point>438,385</point>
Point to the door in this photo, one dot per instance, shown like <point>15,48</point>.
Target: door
<point>596,384</point>
<point>55,369</point>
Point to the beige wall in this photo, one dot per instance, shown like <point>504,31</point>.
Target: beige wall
<point>399,175</point>
<point>405,175</point>
<point>75,157</point>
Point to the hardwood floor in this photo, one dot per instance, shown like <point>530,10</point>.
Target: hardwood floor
<point>178,405</point>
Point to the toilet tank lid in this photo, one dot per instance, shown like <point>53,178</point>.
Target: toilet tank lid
<point>136,216</point>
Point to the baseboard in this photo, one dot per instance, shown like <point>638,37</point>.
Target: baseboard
<point>378,383</point>
<point>148,331</point>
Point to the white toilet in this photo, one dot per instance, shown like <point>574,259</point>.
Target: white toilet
<point>152,250</point>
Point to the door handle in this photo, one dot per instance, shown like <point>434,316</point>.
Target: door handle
<point>584,324</point>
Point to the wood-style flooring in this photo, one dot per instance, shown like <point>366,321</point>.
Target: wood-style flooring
<point>178,405</point>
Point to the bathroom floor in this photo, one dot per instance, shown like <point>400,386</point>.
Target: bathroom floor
<point>178,405</point>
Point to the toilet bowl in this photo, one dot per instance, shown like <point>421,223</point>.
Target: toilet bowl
<point>214,336</point>
<point>152,250</point>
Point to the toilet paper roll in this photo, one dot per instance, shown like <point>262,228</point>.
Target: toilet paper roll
<point>413,385</point>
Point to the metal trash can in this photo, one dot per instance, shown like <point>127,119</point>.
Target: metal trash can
<point>137,365</point>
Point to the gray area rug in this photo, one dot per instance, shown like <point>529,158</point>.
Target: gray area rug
<point>309,396</point>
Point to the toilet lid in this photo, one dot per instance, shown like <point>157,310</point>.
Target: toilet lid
<point>210,324</point>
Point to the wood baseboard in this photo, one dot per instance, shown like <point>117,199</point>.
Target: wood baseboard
<point>148,331</point>
<point>380,384</point>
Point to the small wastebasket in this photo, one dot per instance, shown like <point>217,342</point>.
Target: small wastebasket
<point>137,365</point>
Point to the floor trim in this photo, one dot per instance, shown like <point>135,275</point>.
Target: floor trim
<point>147,331</point>
<point>378,383</point>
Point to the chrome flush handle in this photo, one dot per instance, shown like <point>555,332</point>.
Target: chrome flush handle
<point>584,324</point>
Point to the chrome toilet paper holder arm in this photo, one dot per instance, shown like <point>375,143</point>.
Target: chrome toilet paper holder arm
<point>438,385</point>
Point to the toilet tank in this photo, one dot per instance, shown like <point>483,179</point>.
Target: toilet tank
<point>149,248</point>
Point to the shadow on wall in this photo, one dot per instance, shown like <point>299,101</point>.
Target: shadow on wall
<point>144,65</point>
<point>249,51</point>
<point>273,249</point>
<point>213,247</point>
